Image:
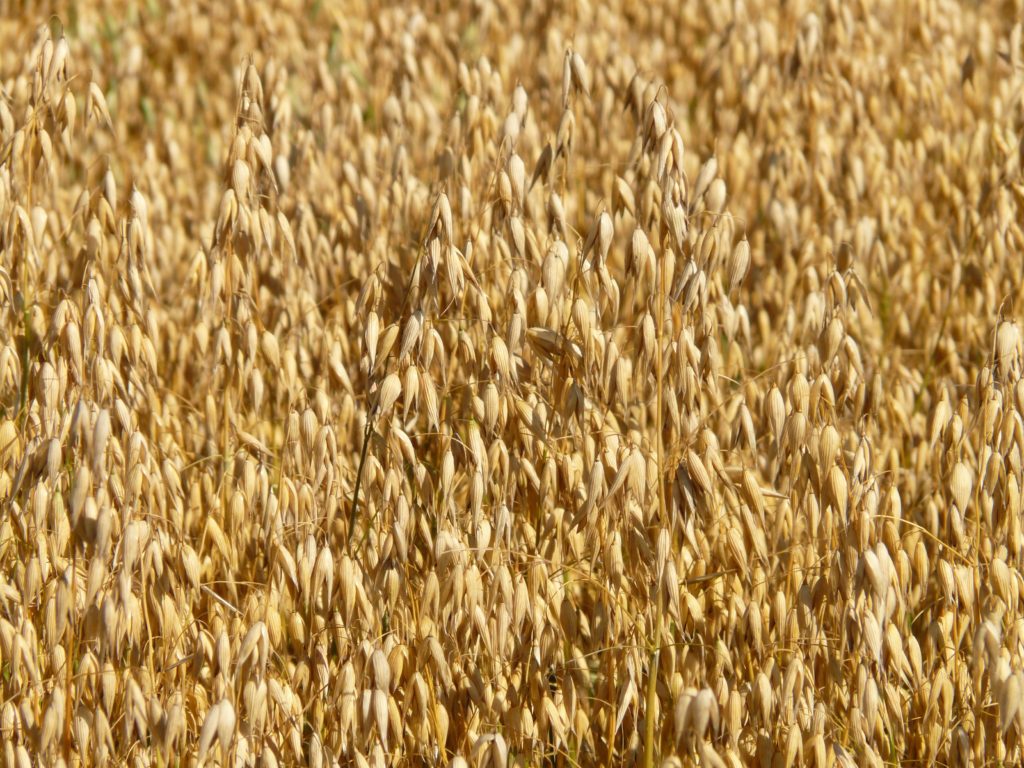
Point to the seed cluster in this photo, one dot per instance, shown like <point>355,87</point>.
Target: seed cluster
<point>481,385</point>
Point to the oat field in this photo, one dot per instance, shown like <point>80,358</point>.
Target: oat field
<point>512,384</point>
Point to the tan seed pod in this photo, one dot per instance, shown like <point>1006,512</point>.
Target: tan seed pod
<point>961,484</point>
<point>390,389</point>
<point>410,335</point>
<point>775,412</point>
<point>837,490</point>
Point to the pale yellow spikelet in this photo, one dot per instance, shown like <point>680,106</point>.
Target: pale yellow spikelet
<point>410,393</point>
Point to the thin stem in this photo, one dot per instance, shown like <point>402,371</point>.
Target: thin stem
<point>359,480</point>
<point>652,679</point>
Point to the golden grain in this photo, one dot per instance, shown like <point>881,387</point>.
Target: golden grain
<point>488,386</point>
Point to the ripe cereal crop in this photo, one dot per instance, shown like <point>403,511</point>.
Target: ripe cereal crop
<point>489,384</point>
